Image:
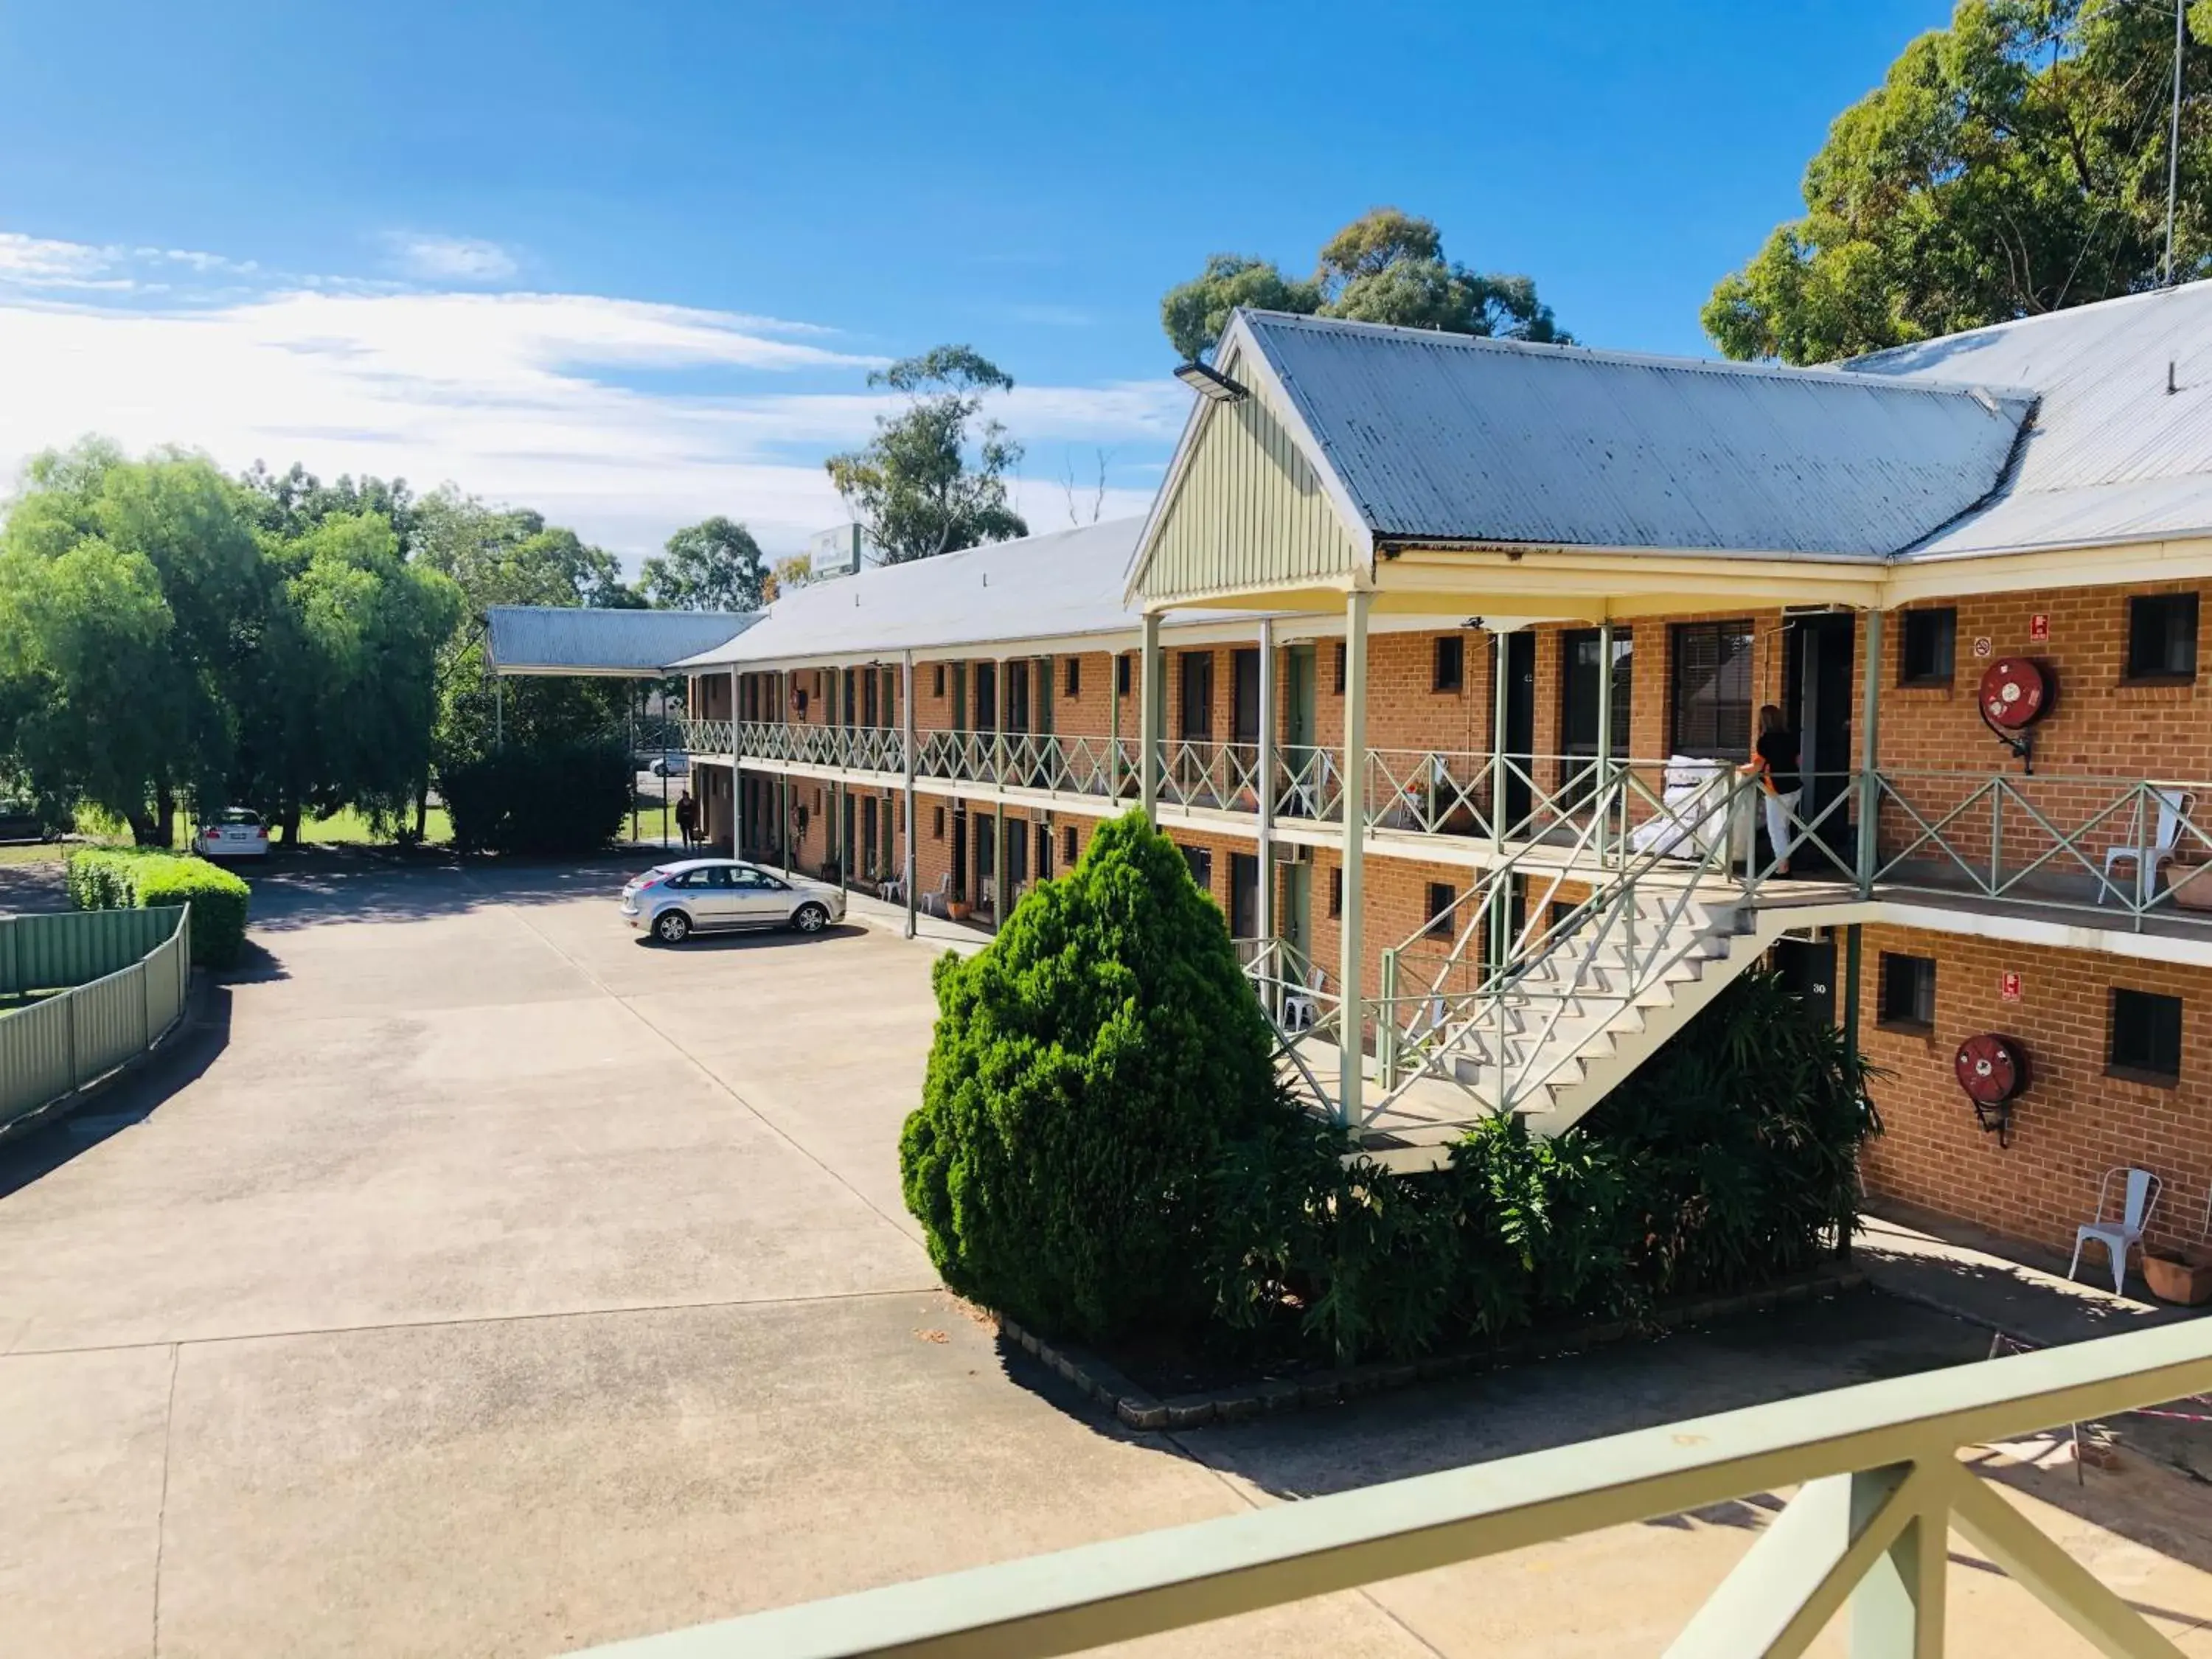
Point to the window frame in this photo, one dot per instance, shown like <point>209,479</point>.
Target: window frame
<point>1067,847</point>
<point>1448,665</point>
<point>1121,675</point>
<point>1439,921</point>
<point>1725,744</point>
<point>2142,608</point>
<point>1928,618</point>
<point>1921,1020</point>
<point>937,679</point>
<point>1340,667</point>
<point>2135,1070</point>
<point>1071,679</point>
<point>1336,893</point>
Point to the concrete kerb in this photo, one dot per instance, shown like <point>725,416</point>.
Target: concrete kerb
<point>1139,1408</point>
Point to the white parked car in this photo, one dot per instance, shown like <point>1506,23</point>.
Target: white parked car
<point>673,901</point>
<point>238,834</point>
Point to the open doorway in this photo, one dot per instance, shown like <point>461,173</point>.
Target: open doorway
<point>1816,692</point>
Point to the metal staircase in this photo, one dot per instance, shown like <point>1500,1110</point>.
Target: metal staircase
<point>1635,918</point>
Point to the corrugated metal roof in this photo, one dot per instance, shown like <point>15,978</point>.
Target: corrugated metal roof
<point>532,638</point>
<point>2110,455</point>
<point>1063,583</point>
<point>1449,438</point>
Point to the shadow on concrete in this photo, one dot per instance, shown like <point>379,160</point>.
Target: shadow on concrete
<point>1778,1354</point>
<point>127,1100</point>
<point>752,938</point>
<point>289,899</point>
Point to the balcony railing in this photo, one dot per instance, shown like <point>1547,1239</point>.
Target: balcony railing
<point>1879,1486</point>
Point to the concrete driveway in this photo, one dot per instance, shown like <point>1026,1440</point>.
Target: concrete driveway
<point>491,1283</point>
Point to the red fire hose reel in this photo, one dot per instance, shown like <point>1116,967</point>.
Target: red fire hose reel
<point>1993,1071</point>
<point>2015,693</point>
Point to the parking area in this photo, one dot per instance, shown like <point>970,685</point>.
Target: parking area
<point>488,1281</point>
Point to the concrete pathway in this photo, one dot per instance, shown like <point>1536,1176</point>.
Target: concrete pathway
<point>489,1282</point>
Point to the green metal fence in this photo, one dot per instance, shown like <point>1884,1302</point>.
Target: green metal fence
<point>117,981</point>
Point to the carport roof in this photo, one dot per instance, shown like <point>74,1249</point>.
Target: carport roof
<point>538,639</point>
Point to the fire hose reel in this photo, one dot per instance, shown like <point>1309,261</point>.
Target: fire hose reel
<point>2014,694</point>
<point>1993,1071</point>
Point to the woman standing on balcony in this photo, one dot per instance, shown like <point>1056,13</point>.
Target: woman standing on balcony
<point>1774,763</point>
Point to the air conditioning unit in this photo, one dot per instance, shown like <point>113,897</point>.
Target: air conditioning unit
<point>1291,852</point>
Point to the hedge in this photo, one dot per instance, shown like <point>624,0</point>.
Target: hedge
<point>1103,1152</point>
<point>103,878</point>
<point>547,799</point>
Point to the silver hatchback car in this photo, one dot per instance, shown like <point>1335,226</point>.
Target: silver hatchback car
<point>673,901</point>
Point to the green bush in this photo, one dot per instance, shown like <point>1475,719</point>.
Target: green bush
<point>1728,1158</point>
<point>547,799</point>
<point>104,878</point>
<point>1091,1067</point>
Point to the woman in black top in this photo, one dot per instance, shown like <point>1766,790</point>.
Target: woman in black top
<point>1774,763</point>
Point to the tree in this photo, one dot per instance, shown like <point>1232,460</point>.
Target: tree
<point>1386,266</point>
<point>790,574</point>
<point>713,565</point>
<point>86,517</point>
<point>915,488</point>
<point>1089,1067</point>
<point>293,502</point>
<point>2013,164</point>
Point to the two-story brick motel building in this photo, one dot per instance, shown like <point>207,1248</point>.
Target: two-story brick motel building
<point>1451,650</point>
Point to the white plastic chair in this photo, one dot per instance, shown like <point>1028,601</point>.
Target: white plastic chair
<point>2118,1236</point>
<point>1301,1011</point>
<point>2174,806</point>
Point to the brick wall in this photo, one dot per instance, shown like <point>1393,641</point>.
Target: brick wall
<point>2072,1124</point>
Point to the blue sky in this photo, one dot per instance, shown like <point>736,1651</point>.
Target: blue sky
<point>630,265</point>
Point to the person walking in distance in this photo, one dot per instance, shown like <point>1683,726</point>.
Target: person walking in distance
<point>1774,763</point>
<point>687,814</point>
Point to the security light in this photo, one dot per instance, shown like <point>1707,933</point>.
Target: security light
<point>1210,383</point>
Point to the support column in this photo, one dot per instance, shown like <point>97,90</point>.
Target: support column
<point>839,836</point>
<point>906,723</point>
<point>1869,738</point>
<point>1264,767</point>
<point>499,710</point>
<point>1151,698</point>
<point>1500,917</point>
<point>1351,1076</point>
<point>1600,799</point>
<point>1113,727</point>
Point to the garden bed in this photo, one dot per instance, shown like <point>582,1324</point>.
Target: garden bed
<point>1192,1392</point>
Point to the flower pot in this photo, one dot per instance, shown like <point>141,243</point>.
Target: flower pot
<point>957,910</point>
<point>2190,886</point>
<point>2183,1275</point>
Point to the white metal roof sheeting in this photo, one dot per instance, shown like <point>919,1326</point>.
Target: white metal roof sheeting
<point>1450,438</point>
<point>2110,456</point>
<point>1049,587</point>
<point>532,638</point>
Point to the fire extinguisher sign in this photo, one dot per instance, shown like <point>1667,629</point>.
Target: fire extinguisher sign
<point>2009,987</point>
<point>2038,626</point>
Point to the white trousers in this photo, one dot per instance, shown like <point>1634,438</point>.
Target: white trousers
<point>1779,829</point>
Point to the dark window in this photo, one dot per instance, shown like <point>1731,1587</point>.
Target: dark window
<point>1450,665</point>
<point>2145,1042</point>
<point>818,800</point>
<point>1198,694</point>
<point>1908,993</point>
<point>1340,668</point>
<point>1122,674</point>
<point>1071,685</point>
<point>936,823</point>
<point>1336,893</point>
<point>1201,867</point>
<point>1442,896</point>
<point>937,680</point>
<point>1929,647</point>
<point>1067,847</point>
<point>2162,636</point>
<point>1044,852</point>
<point>1709,712</point>
<point>987,696</point>
<point>1556,914</point>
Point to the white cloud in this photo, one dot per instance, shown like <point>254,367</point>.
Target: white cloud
<point>452,258</point>
<point>517,397</point>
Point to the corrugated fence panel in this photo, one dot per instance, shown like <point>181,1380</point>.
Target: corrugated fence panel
<point>111,1022</point>
<point>34,1057</point>
<point>76,1036</point>
<point>75,947</point>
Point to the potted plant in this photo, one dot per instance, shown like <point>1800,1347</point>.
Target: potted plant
<point>955,905</point>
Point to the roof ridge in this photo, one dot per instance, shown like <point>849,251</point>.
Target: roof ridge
<point>1823,374</point>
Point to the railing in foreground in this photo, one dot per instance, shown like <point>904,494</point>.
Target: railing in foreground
<point>1880,1487</point>
<point>114,1007</point>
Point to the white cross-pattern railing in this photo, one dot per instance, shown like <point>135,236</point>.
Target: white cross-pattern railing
<point>1309,784</point>
<point>1197,772</point>
<point>707,737</point>
<point>1304,1014</point>
<point>1880,1476</point>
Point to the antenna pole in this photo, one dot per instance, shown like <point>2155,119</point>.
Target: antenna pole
<point>2173,142</point>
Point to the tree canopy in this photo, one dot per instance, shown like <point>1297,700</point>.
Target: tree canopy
<point>713,565</point>
<point>2012,164</point>
<point>1386,266</point>
<point>932,480</point>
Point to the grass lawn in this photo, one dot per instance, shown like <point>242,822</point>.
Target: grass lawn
<point>350,828</point>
